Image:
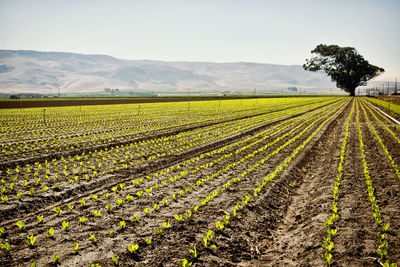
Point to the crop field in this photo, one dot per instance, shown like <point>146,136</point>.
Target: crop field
<point>247,182</point>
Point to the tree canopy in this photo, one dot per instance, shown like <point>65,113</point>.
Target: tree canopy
<point>344,65</point>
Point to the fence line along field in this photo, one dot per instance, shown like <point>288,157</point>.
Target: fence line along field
<point>248,182</point>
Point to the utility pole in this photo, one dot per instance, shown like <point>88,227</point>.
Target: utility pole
<point>388,89</point>
<point>395,86</point>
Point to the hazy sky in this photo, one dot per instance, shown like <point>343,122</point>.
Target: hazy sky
<point>269,31</point>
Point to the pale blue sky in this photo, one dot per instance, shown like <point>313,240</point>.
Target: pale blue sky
<point>276,31</point>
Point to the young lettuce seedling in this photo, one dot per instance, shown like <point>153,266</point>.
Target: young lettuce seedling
<point>194,253</point>
<point>122,225</point>
<point>111,233</point>
<point>82,220</point>
<point>108,208</point>
<point>56,259</point>
<point>166,225</point>
<point>115,259</point>
<point>185,263</point>
<point>179,218</point>
<point>6,248</point>
<point>133,248</point>
<point>156,207</point>
<point>159,230</point>
<point>30,239</point>
<point>65,225</point>
<point>76,245</point>
<point>58,210</point>
<point>147,211</point>
<point>120,202</point>
<point>92,238</point>
<point>21,225</point>
<point>219,225</point>
<point>50,232</point>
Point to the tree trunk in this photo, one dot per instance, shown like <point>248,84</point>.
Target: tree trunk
<point>352,91</point>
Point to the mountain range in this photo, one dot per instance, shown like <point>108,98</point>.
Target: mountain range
<point>52,72</point>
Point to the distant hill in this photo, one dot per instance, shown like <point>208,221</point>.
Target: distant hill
<point>48,72</point>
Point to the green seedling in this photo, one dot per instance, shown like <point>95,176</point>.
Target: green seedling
<point>108,207</point>
<point>111,233</point>
<point>92,238</point>
<point>65,225</point>
<point>120,202</point>
<point>50,232</point>
<point>160,230</point>
<point>30,239</point>
<point>133,248</point>
<point>58,210</point>
<point>21,225</point>
<point>179,218</point>
<point>147,211</point>
<point>6,248</point>
<point>115,259</point>
<point>56,259</point>
<point>122,225</point>
<point>76,245</point>
<point>185,263</point>
<point>82,220</point>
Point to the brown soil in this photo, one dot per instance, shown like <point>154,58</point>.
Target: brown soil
<point>108,101</point>
<point>283,226</point>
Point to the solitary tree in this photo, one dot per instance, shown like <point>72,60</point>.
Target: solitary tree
<point>344,65</point>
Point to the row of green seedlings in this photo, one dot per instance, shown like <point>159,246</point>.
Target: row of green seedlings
<point>384,117</point>
<point>384,126</point>
<point>330,228</point>
<point>247,198</point>
<point>382,249</point>
<point>394,165</point>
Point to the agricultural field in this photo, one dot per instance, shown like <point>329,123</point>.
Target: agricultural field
<point>307,181</point>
